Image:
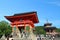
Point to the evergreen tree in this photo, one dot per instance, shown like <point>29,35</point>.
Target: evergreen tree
<point>5,29</point>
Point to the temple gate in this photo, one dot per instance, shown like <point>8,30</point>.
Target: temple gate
<point>22,23</point>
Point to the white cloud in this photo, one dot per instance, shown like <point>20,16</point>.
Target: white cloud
<point>55,3</point>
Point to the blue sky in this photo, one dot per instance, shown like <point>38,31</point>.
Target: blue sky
<point>46,9</point>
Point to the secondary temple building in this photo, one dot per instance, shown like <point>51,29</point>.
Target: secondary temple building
<point>50,30</point>
<point>22,24</point>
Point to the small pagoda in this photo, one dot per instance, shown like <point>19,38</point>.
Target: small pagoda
<point>50,30</point>
<point>20,22</point>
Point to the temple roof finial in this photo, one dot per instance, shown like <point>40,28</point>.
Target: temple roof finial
<point>47,21</point>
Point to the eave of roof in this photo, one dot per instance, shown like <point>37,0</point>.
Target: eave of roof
<point>23,14</point>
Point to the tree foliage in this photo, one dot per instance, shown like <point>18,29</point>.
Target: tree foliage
<point>39,30</point>
<point>27,28</point>
<point>5,28</point>
<point>58,30</point>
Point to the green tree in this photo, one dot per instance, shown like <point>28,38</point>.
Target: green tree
<point>1,33</point>
<point>58,30</point>
<point>27,28</point>
<point>5,29</point>
<point>39,30</point>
